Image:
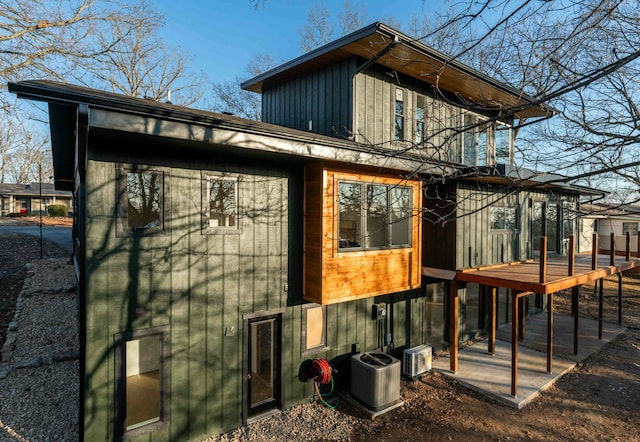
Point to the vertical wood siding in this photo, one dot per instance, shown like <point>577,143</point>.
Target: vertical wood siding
<point>323,97</point>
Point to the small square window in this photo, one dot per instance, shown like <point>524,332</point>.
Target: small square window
<point>220,204</point>
<point>632,228</point>
<point>314,328</point>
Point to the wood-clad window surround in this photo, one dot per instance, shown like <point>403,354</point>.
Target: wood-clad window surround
<point>142,374</point>
<point>142,200</point>
<point>220,204</point>
<point>362,234</point>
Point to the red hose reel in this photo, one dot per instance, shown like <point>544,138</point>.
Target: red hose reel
<point>321,371</point>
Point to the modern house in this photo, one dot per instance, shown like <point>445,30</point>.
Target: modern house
<point>217,256</point>
<point>31,199</point>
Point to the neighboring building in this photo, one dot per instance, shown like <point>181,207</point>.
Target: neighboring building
<point>31,199</point>
<point>218,256</point>
<point>605,219</point>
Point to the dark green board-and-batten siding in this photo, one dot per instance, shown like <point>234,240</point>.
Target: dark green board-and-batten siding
<point>201,286</point>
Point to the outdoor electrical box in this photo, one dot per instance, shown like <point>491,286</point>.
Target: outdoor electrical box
<point>379,311</point>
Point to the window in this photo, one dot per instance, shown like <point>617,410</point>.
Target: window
<point>220,203</point>
<point>503,218</point>
<point>503,135</point>
<point>399,115</point>
<point>142,380</point>
<point>374,216</point>
<point>314,328</point>
<point>420,114</point>
<point>474,141</point>
<point>632,228</point>
<point>142,201</point>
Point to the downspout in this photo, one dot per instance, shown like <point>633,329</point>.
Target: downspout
<point>79,239</point>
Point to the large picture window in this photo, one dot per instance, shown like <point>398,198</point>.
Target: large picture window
<point>142,200</point>
<point>142,374</point>
<point>373,216</point>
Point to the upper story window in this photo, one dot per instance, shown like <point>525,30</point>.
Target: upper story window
<point>399,115</point>
<point>373,216</point>
<point>503,143</point>
<point>420,119</point>
<point>475,137</point>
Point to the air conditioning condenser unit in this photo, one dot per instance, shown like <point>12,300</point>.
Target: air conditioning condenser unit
<point>416,361</point>
<point>375,380</point>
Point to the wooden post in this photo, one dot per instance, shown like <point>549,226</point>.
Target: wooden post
<point>522,318</point>
<point>612,249</point>
<point>493,310</point>
<point>514,343</point>
<point>453,326</point>
<point>619,298</point>
<point>600,296</point>
<point>543,259</point>
<point>572,256</point>
<point>638,246</point>
<point>594,251</point>
<point>550,333</point>
<point>627,253</point>
<point>574,294</point>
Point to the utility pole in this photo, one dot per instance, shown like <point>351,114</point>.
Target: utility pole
<point>40,179</point>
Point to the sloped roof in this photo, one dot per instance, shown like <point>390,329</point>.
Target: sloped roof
<point>32,190</point>
<point>381,44</point>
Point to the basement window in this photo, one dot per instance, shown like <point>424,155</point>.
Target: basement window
<point>142,380</point>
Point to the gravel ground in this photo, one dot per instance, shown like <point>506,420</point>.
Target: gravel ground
<point>39,369</point>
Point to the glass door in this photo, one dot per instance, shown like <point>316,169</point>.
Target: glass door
<point>263,379</point>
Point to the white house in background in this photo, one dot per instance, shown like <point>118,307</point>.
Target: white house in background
<point>31,198</point>
<point>605,219</point>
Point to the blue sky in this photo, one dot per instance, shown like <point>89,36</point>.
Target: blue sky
<point>223,35</point>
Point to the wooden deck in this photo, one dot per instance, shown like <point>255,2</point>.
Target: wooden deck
<point>544,276</point>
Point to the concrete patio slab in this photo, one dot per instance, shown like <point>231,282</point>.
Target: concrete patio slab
<point>491,374</point>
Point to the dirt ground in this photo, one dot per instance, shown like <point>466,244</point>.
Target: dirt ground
<point>598,401</point>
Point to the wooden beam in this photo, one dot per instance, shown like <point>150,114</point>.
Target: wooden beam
<point>493,311</point>
<point>594,251</point>
<point>550,332</point>
<point>619,298</point>
<point>574,294</point>
<point>612,249</point>
<point>572,256</point>
<point>522,318</point>
<point>514,344</point>
<point>600,296</point>
<point>627,252</point>
<point>543,259</point>
<point>453,326</point>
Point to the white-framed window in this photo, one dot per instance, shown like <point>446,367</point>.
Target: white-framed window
<point>220,203</point>
<point>373,216</point>
<point>142,381</point>
<point>420,119</point>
